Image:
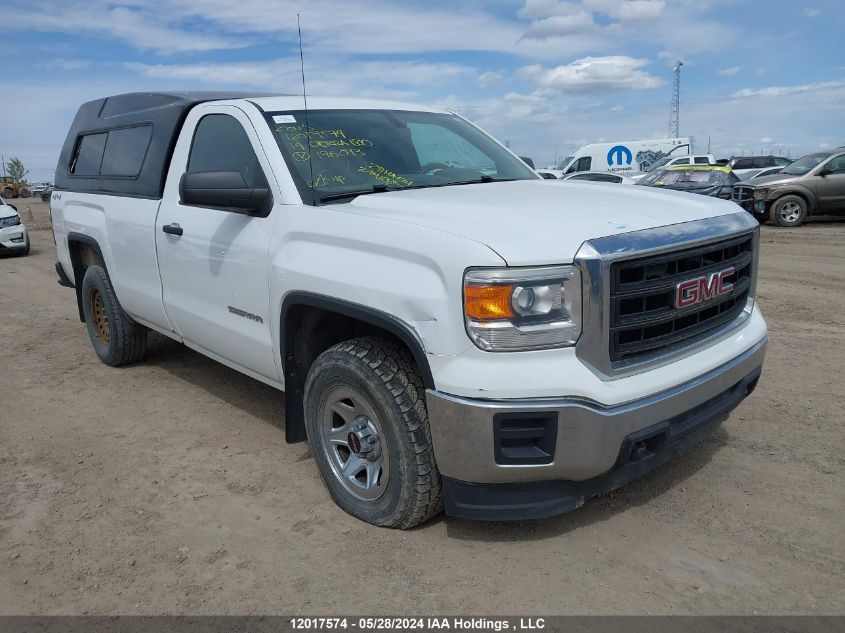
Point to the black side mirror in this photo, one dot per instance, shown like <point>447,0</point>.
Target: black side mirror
<point>225,190</point>
<point>527,161</point>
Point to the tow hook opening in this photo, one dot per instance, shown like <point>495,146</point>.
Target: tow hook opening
<point>646,447</point>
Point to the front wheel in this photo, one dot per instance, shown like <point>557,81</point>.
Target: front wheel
<point>368,431</point>
<point>789,211</point>
<point>116,338</point>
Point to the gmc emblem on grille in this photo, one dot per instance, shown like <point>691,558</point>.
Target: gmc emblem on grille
<point>692,291</point>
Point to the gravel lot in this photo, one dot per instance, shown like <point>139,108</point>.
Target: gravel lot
<point>166,487</point>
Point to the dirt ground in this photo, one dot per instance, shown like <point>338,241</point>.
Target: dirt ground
<point>166,487</point>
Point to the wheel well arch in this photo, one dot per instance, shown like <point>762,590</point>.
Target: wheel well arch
<point>311,323</point>
<point>800,193</point>
<point>84,251</point>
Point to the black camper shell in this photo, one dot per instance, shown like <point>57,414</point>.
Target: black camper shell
<point>122,145</point>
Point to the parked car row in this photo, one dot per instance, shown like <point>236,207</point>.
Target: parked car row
<point>770,187</point>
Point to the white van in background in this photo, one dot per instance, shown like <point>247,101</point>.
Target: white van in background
<point>625,156</point>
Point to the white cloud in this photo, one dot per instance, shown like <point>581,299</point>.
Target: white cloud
<point>490,79</point>
<point>810,12</point>
<point>595,74</point>
<point>623,10</point>
<point>728,72</point>
<point>638,9</point>
<point>560,25</point>
<point>393,79</point>
<point>364,26</point>
<point>534,9</point>
<point>145,31</point>
<point>780,91</point>
<point>767,140</point>
<point>576,27</point>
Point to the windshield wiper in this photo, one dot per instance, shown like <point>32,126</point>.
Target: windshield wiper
<point>476,181</point>
<point>340,195</point>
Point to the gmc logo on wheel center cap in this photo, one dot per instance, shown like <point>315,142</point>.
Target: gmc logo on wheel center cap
<point>693,291</point>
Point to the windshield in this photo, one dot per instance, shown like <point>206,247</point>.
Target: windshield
<point>344,153</point>
<point>562,165</point>
<point>657,164</point>
<point>684,177</point>
<point>804,164</point>
<point>652,177</point>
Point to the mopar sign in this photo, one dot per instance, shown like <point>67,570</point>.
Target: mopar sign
<point>619,154</point>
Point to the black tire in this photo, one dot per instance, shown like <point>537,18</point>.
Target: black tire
<point>25,250</point>
<point>789,211</point>
<point>9,193</point>
<point>382,377</point>
<point>116,338</point>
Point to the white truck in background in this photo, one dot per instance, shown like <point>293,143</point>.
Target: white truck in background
<point>624,156</point>
<point>449,328</point>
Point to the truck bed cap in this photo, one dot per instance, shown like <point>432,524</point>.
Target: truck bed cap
<point>163,111</point>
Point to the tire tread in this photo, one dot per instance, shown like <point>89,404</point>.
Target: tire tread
<point>130,338</point>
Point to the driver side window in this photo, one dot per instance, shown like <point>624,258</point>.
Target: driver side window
<point>221,144</point>
<point>435,144</point>
<point>836,166</point>
<point>584,163</point>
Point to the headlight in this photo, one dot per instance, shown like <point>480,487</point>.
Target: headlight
<point>759,194</point>
<point>519,309</point>
<point>12,220</point>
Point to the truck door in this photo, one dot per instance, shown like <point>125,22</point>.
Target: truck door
<point>214,262</point>
<point>830,188</point>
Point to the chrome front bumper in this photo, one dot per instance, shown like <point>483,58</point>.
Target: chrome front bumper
<point>590,438</point>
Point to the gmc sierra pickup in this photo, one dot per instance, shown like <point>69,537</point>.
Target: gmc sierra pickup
<point>449,328</point>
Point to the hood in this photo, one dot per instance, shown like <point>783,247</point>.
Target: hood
<point>531,222</point>
<point>774,179</point>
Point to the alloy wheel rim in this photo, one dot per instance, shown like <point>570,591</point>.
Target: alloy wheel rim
<point>101,319</point>
<point>790,212</point>
<point>354,444</point>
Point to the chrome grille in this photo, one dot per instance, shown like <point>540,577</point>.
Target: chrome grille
<point>643,318</point>
<point>742,193</point>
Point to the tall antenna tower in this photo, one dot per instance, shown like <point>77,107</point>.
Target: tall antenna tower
<point>675,111</point>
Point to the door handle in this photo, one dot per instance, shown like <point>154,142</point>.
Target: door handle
<point>172,229</point>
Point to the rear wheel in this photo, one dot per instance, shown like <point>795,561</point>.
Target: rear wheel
<point>368,431</point>
<point>116,338</point>
<point>789,211</point>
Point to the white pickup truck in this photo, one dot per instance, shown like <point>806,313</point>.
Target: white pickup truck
<point>449,328</point>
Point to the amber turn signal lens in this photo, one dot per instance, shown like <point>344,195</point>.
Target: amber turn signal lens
<point>488,302</point>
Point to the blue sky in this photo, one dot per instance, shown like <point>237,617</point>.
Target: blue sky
<point>545,75</point>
